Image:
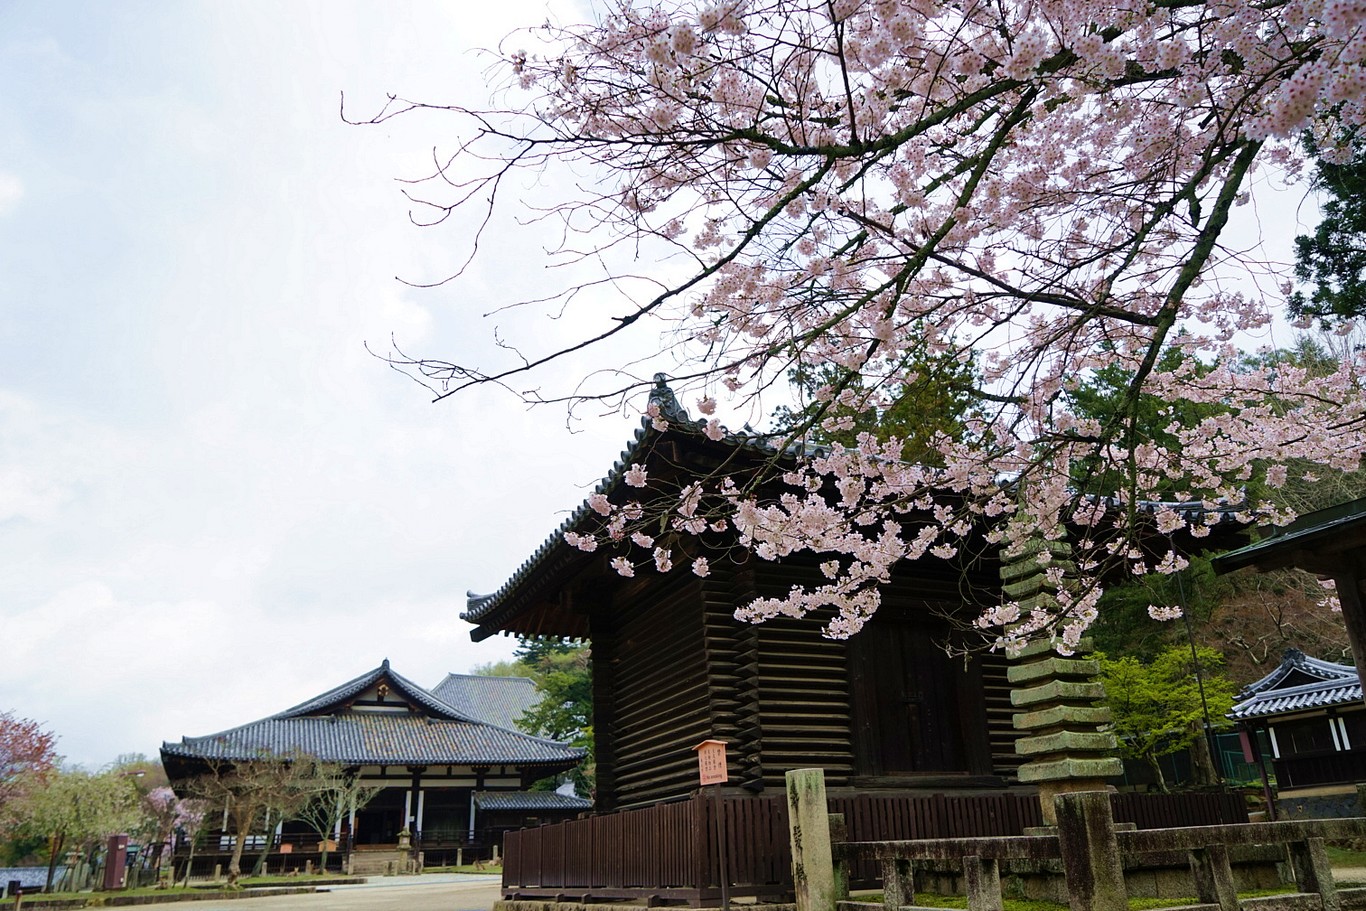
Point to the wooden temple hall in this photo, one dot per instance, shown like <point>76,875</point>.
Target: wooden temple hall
<point>913,743</point>
<point>453,773</point>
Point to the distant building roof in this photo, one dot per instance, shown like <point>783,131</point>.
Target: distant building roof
<point>529,801</point>
<point>1298,684</point>
<point>493,700</point>
<point>379,718</point>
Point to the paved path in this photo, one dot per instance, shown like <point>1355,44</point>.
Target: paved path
<point>429,892</point>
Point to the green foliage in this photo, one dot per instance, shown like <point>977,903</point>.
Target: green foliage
<point>1105,397</point>
<point>1156,707</point>
<point>1333,258</point>
<point>563,673</point>
<point>23,849</point>
<point>935,402</point>
<point>503,668</point>
<point>75,810</point>
<point>532,651</point>
<point>1124,626</point>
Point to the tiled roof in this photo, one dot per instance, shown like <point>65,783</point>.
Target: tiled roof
<point>529,801</point>
<point>340,696</point>
<point>327,728</point>
<point>494,700</point>
<point>1281,692</point>
<point>378,739</point>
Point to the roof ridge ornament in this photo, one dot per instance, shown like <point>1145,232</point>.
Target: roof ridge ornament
<point>663,397</point>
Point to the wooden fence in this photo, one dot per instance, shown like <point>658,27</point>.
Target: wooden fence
<point>669,851</point>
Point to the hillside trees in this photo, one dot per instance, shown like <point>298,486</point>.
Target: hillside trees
<point>847,188</point>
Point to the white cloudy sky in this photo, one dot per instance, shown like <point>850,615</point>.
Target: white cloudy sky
<point>213,502</point>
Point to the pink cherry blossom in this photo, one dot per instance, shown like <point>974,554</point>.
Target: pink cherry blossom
<point>1037,189</point>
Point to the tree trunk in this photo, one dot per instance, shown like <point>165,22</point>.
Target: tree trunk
<point>189,861</point>
<point>1156,767</point>
<point>259,867</point>
<point>55,845</point>
<point>1203,773</point>
<point>235,863</point>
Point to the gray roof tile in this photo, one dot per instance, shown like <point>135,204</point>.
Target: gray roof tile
<point>493,700</point>
<point>1278,694</point>
<point>326,728</point>
<point>529,801</point>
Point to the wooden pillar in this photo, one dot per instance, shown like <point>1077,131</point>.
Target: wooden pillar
<point>1348,582</point>
<point>808,820</point>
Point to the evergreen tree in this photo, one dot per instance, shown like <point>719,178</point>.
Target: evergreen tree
<point>1333,258</point>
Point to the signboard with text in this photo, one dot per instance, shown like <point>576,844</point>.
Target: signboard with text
<point>711,761</point>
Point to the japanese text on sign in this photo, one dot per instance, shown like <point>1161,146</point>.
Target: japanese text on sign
<point>711,761</point>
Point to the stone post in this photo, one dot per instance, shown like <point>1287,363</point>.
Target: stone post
<point>982,877</point>
<point>1213,875</point>
<point>1090,852</point>
<point>808,821</point>
<point>839,834</point>
<point>1313,872</point>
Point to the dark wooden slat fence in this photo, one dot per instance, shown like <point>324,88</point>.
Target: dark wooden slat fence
<point>669,851</point>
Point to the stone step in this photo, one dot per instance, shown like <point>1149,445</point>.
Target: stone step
<point>380,863</point>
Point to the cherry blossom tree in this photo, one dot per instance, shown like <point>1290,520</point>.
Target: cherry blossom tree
<point>27,758</point>
<point>1036,189</point>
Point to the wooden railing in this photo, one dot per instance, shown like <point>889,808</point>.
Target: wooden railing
<point>669,851</point>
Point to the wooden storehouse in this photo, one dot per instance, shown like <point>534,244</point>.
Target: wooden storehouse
<point>888,709</point>
<point>453,779</point>
<point>910,719</point>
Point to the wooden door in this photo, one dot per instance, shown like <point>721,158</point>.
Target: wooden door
<point>913,714</point>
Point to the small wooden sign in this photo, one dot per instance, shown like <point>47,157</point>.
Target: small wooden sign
<point>711,761</point>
